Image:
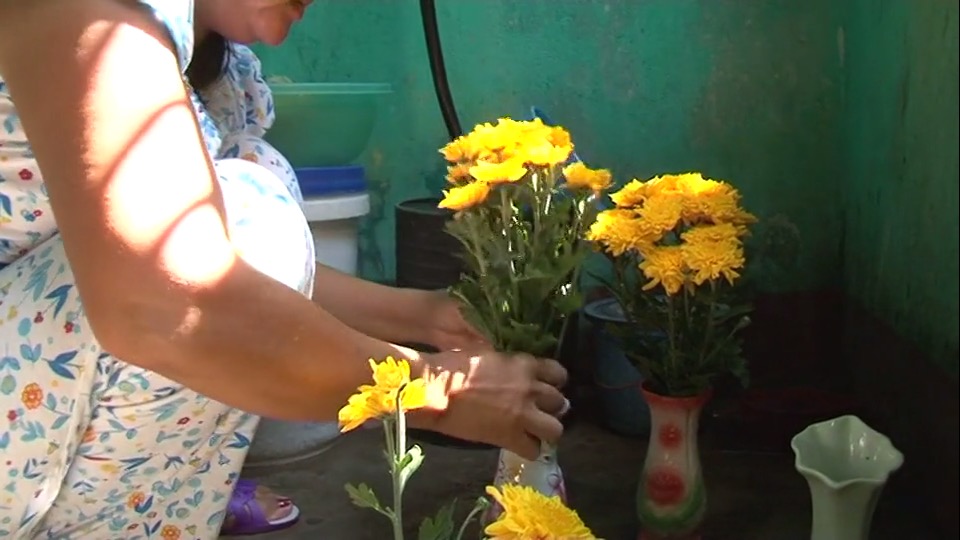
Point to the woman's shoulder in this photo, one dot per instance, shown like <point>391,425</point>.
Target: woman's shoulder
<point>177,17</point>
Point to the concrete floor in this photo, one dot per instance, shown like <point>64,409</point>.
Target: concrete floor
<point>752,495</point>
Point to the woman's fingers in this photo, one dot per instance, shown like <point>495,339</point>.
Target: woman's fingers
<point>548,399</point>
<point>545,427</point>
<point>551,372</point>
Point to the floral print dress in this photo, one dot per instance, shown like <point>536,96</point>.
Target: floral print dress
<point>92,447</point>
<point>241,106</point>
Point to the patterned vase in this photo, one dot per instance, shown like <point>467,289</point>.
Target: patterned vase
<point>671,499</point>
<point>542,474</point>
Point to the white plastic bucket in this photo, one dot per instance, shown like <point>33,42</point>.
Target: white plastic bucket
<point>334,221</point>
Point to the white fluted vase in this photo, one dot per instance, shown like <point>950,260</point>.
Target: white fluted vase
<point>846,464</point>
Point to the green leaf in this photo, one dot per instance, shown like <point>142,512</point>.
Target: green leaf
<point>409,464</point>
<point>439,527</point>
<point>363,497</point>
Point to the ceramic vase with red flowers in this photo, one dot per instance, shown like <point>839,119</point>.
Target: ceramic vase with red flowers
<point>671,498</point>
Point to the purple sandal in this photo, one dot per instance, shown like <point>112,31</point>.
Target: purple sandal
<point>246,517</point>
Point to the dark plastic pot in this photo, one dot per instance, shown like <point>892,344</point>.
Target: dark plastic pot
<point>427,257</point>
<point>616,379</point>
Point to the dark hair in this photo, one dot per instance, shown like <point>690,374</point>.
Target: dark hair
<point>209,61</point>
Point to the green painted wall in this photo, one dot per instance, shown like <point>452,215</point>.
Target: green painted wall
<point>745,90</point>
<point>836,119</point>
<point>901,174</point>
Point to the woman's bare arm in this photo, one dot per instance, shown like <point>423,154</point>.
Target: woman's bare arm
<point>99,92</point>
<point>390,313</point>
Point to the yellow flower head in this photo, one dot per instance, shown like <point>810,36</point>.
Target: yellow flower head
<point>579,176</point>
<point>459,173</point>
<point>544,154</point>
<point>392,383</point>
<point>664,266</point>
<point>712,252</point>
<point>510,170</point>
<point>390,374</point>
<point>630,195</point>
<point>619,231</point>
<point>466,196</point>
<point>708,201</point>
<point>461,150</point>
<point>494,139</point>
<point>661,213</point>
<point>527,142</point>
<point>528,514</point>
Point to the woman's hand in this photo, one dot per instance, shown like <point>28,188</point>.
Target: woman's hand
<point>508,400</point>
<point>446,328</point>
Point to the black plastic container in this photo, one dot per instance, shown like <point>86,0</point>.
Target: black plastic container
<point>427,257</point>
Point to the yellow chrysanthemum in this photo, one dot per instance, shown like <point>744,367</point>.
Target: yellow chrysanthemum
<point>459,173</point>
<point>619,231</point>
<point>529,142</point>
<point>663,184</point>
<point>544,154</point>
<point>712,252</point>
<point>661,213</point>
<point>463,149</point>
<point>560,138</point>
<point>491,139</point>
<point>631,195</point>
<point>498,173</point>
<point>664,266</point>
<point>708,201</point>
<point>390,374</point>
<point>528,514</point>
<point>719,233</point>
<point>579,176</point>
<point>391,378</point>
<point>466,196</point>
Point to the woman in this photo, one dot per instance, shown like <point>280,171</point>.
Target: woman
<point>199,277</point>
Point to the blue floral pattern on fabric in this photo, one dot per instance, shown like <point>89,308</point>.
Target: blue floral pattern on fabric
<point>94,447</point>
<point>241,106</point>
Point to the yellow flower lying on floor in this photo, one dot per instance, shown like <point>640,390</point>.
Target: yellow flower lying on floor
<point>391,380</point>
<point>528,514</point>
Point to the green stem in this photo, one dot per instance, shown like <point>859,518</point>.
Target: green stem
<point>494,333</point>
<point>388,434</point>
<point>506,220</point>
<point>400,452</point>
<point>708,333</point>
<point>477,508</point>
<point>721,342</point>
<point>537,189</point>
<point>671,318</point>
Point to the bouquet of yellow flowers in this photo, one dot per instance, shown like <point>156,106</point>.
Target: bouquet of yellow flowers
<point>675,243</point>
<point>526,512</point>
<point>521,216</point>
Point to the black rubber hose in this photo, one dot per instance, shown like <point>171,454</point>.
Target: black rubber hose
<point>428,12</point>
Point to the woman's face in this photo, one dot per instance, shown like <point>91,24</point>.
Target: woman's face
<point>250,21</point>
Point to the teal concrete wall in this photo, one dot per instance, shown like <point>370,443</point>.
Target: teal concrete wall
<point>745,90</point>
<point>901,174</point>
